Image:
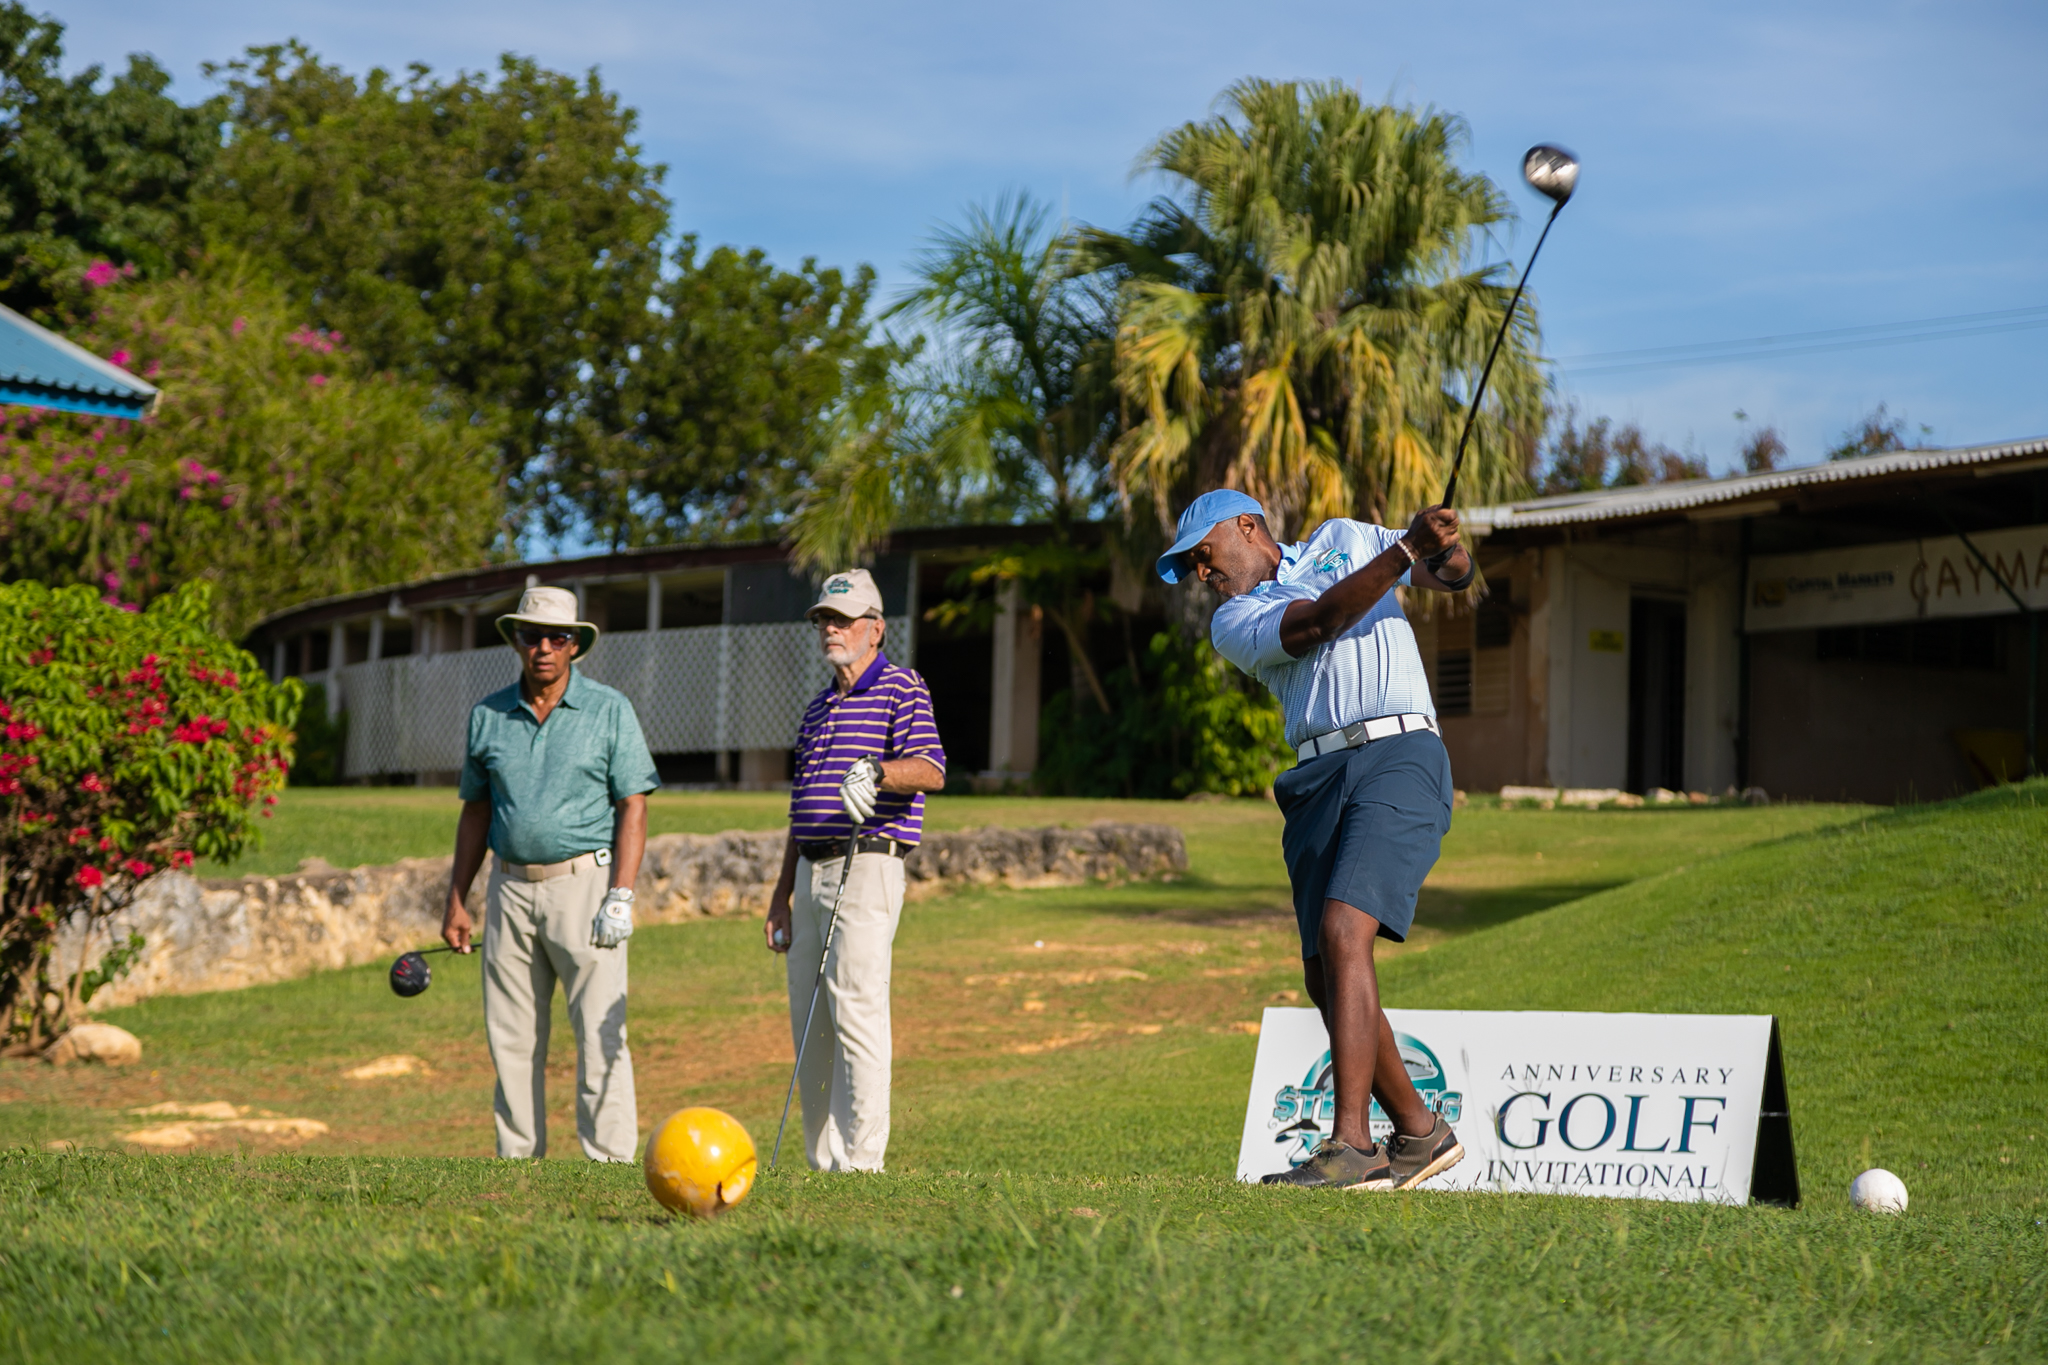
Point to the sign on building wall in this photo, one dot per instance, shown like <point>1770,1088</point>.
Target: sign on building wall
<point>1640,1106</point>
<point>1903,580</point>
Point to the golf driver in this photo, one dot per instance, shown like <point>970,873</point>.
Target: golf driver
<point>411,975</point>
<point>831,924</point>
<point>1554,173</point>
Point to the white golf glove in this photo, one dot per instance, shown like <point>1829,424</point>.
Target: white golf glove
<point>859,788</point>
<point>614,924</point>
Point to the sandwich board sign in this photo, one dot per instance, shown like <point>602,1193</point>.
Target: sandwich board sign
<point>1635,1106</point>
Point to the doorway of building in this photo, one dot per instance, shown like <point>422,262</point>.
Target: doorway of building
<point>1656,694</point>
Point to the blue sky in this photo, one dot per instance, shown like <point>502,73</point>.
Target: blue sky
<point>1751,169</point>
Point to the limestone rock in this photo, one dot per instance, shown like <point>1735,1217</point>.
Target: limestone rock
<point>384,1068</point>
<point>228,933</point>
<point>192,1133</point>
<point>95,1043</point>
<point>205,1109</point>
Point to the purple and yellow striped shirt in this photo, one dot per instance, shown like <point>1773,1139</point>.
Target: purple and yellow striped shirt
<point>887,715</point>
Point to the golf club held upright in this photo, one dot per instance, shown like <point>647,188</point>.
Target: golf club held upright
<point>1554,173</point>
<point>810,1015</point>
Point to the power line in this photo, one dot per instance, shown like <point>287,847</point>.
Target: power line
<point>1810,343</point>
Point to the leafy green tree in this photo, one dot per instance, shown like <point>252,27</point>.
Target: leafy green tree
<point>1023,400</point>
<point>129,742</point>
<point>499,238</point>
<point>1762,451</point>
<point>89,171</point>
<point>1876,434</point>
<point>1602,455</point>
<point>1011,416</point>
<point>745,378</point>
<point>1184,721</point>
<point>1302,315</point>
<point>278,466</point>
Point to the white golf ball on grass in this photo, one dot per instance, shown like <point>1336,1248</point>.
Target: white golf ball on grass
<point>1878,1191</point>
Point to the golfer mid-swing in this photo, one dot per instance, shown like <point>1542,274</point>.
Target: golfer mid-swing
<point>1367,806</point>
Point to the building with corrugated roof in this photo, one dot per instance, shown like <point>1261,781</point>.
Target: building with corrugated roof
<point>709,641</point>
<point>1822,632</point>
<point>1865,629</point>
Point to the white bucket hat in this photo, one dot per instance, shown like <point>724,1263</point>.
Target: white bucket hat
<point>549,607</point>
<point>852,594</point>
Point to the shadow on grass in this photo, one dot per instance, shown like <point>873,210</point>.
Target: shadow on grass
<point>1465,910</point>
<point>1197,901</point>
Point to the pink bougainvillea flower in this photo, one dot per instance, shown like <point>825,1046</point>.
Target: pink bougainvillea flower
<point>100,274</point>
<point>119,357</point>
<point>182,858</point>
<point>318,380</point>
<point>92,782</point>
<point>90,876</point>
<point>138,868</point>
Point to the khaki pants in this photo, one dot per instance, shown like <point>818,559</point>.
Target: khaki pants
<point>536,933</point>
<point>844,1083</point>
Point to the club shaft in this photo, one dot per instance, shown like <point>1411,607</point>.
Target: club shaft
<point>804,1038</point>
<point>1472,411</point>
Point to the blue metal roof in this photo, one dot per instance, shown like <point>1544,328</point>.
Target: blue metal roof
<point>40,369</point>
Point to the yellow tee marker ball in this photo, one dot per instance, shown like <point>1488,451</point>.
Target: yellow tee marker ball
<point>700,1162</point>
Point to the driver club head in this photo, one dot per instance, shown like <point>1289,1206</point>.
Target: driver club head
<point>411,975</point>
<point>1551,171</point>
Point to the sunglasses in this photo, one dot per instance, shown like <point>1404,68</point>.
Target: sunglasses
<point>534,639</point>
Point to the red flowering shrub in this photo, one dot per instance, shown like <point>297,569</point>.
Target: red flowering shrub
<point>129,742</point>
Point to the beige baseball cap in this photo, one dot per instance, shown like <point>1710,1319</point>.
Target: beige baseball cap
<point>851,594</point>
<point>549,607</point>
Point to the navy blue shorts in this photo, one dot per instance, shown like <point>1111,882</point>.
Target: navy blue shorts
<point>1364,827</point>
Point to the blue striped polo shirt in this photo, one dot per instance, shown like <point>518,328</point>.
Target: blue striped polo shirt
<point>887,715</point>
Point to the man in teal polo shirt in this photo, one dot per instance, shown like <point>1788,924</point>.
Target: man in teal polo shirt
<point>556,784</point>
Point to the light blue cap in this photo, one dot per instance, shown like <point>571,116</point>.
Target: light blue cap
<point>1203,513</point>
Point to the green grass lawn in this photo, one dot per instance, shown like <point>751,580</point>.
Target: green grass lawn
<point>1066,1123</point>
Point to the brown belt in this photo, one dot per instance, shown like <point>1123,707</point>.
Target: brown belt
<point>541,872</point>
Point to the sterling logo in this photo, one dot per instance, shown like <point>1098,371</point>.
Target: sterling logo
<point>1303,1114</point>
<point>1331,561</point>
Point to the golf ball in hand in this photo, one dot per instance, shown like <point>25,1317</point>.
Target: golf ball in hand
<point>1879,1192</point>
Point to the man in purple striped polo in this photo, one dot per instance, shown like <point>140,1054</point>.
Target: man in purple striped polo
<point>866,753</point>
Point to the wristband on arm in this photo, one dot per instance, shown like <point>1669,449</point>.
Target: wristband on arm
<point>1436,564</point>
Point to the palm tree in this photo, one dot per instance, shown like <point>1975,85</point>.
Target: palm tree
<point>1301,316</point>
<point>1012,418</point>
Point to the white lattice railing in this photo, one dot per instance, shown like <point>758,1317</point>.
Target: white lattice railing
<point>700,690</point>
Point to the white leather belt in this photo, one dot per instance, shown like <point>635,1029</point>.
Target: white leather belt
<point>1365,732</point>
<point>543,872</point>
